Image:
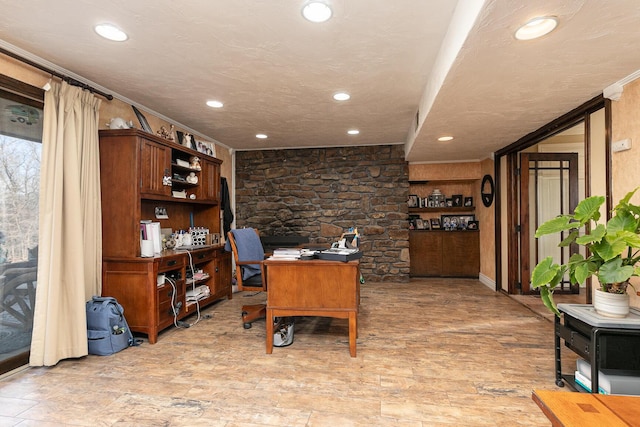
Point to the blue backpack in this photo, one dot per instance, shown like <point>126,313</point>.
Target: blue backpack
<point>107,329</point>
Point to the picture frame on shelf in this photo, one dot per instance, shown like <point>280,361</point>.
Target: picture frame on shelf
<point>465,219</point>
<point>412,221</point>
<point>205,147</point>
<point>468,202</point>
<point>446,222</point>
<point>473,225</point>
<point>419,224</point>
<point>143,120</point>
<point>412,201</point>
<point>456,200</point>
<point>456,222</point>
<point>179,137</point>
<point>449,202</point>
<point>435,223</point>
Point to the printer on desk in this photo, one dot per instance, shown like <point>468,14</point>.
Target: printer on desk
<point>345,249</point>
<point>339,254</point>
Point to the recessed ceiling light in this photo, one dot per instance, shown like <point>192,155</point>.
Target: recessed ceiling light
<point>111,32</point>
<point>316,11</point>
<point>353,132</point>
<point>536,27</point>
<point>261,136</point>
<point>215,104</point>
<point>341,96</point>
<point>445,138</point>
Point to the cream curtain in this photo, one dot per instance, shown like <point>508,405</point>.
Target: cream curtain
<point>70,251</point>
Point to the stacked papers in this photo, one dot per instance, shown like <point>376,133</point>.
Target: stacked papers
<point>286,254</point>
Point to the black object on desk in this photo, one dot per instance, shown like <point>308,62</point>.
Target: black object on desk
<point>609,344</point>
<point>338,254</point>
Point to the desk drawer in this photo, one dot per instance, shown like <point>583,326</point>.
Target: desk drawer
<point>171,263</point>
<point>166,302</point>
<point>203,255</point>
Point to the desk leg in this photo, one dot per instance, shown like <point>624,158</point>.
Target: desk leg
<point>353,332</point>
<point>269,320</point>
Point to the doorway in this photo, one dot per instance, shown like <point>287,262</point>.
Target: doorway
<point>542,175</point>
<point>548,188</point>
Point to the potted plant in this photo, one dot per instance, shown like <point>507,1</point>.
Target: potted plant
<point>612,252</point>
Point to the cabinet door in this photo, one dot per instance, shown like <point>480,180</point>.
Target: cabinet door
<point>171,303</point>
<point>425,248</point>
<point>155,163</point>
<point>222,277</point>
<point>210,183</point>
<point>461,254</point>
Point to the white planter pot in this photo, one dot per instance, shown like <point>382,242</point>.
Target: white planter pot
<point>611,305</point>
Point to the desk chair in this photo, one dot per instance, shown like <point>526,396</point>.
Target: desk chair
<point>248,254</point>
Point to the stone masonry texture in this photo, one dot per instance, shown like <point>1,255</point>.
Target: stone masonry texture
<point>319,193</point>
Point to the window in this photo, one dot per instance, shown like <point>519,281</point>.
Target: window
<point>21,114</point>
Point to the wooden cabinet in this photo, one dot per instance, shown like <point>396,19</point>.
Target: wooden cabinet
<point>134,169</point>
<point>426,253</point>
<point>435,253</point>
<point>210,189</point>
<point>444,253</point>
<point>155,163</point>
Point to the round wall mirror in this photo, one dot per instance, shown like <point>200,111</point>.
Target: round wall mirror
<point>487,190</point>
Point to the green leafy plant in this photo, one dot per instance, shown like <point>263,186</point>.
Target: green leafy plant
<point>612,248</point>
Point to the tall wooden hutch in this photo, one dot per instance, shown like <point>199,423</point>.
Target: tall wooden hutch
<point>134,169</point>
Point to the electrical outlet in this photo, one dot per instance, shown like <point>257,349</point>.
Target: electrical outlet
<point>622,145</point>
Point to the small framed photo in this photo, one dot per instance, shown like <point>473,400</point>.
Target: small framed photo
<point>142,119</point>
<point>468,202</point>
<point>419,224</point>
<point>179,137</point>
<point>456,200</point>
<point>456,222</point>
<point>472,225</point>
<point>464,220</point>
<point>435,223</point>
<point>449,203</point>
<point>205,148</point>
<point>412,202</point>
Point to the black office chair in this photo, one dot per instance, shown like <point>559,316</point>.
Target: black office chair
<point>249,256</point>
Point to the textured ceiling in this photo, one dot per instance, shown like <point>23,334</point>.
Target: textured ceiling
<point>457,63</point>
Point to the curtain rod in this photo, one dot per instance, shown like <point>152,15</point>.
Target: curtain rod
<point>67,79</point>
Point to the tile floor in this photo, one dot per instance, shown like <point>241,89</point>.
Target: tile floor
<point>431,352</point>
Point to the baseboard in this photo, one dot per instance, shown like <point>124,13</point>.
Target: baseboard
<point>487,281</point>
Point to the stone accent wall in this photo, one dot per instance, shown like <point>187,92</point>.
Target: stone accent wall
<point>319,193</point>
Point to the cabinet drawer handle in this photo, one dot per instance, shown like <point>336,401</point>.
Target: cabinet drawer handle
<point>172,262</point>
<point>200,256</point>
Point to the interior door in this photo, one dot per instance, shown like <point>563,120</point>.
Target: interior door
<point>548,188</point>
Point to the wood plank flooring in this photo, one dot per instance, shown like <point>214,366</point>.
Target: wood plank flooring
<point>432,352</point>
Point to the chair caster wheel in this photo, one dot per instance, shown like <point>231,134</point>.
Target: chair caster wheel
<point>246,325</point>
<point>560,383</point>
<point>244,313</point>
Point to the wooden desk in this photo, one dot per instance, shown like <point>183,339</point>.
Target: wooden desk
<point>569,409</point>
<point>313,288</point>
